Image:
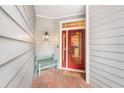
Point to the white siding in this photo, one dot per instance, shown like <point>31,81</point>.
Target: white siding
<point>45,48</point>
<point>106,26</point>
<point>16,46</point>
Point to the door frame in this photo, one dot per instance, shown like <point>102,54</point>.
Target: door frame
<point>86,45</point>
<point>60,65</point>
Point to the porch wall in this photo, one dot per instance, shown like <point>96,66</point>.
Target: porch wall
<point>106,27</point>
<point>45,48</point>
<point>52,26</point>
<point>16,45</point>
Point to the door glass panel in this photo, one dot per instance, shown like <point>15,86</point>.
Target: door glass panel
<point>76,47</point>
<point>64,49</point>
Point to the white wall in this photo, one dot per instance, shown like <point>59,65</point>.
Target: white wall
<point>16,45</point>
<point>45,48</point>
<point>106,26</point>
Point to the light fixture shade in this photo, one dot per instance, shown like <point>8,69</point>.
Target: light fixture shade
<point>46,35</point>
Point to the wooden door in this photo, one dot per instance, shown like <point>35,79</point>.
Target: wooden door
<point>76,49</point>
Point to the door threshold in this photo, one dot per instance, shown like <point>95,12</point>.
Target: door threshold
<point>75,70</point>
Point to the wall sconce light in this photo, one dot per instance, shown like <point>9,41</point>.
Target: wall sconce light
<point>46,35</point>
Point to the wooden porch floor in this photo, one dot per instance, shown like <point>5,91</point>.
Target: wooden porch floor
<point>56,78</point>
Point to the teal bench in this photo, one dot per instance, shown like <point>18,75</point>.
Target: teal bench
<point>45,62</point>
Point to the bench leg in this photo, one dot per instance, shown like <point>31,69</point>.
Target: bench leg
<point>39,70</point>
<point>55,67</point>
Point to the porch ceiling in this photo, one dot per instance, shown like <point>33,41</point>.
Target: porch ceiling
<point>59,11</point>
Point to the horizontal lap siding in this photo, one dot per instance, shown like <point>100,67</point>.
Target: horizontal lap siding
<point>17,45</point>
<point>106,25</point>
<point>45,48</point>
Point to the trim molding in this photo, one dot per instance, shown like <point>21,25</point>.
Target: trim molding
<point>76,70</point>
<point>87,45</point>
<point>60,16</point>
<point>45,16</point>
<point>69,15</point>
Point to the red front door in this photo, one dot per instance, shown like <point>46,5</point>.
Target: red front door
<point>76,49</point>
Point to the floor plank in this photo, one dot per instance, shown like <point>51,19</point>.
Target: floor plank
<point>56,78</point>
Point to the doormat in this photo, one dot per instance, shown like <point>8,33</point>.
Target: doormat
<point>72,73</point>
